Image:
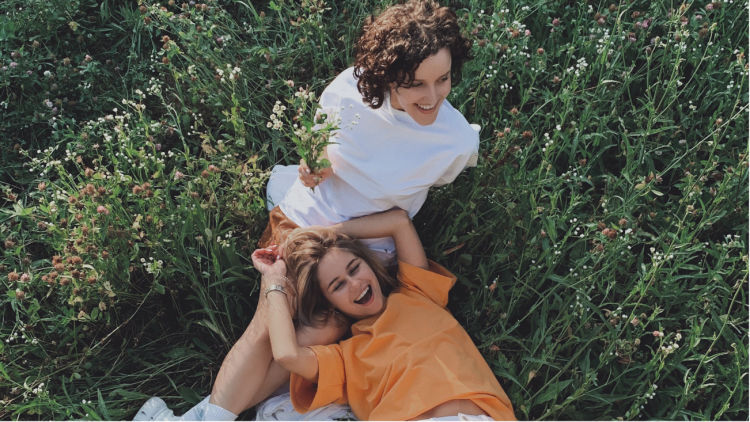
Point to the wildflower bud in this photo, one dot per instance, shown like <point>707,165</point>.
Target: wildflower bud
<point>500,134</point>
<point>719,121</point>
<point>213,168</point>
<point>147,20</point>
<point>637,342</point>
<point>601,21</point>
<point>41,225</point>
<point>137,190</point>
<point>634,322</point>
<point>170,2</point>
<point>91,279</point>
<point>178,175</point>
<point>609,233</point>
<point>540,51</point>
<point>555,22</point>
<point>599,247</point>
<point>165,60</point>
<point>600,225</point>
<point>143,9</point>
<point>101,209</point>
<point>612,7</point>
<point>105,254</point>
<point>9,243</point>
<point>13,276</point>
<point>196,194</point>
<point>494,348</point>
<point>262,14</point>
<point>527,134</point>
<point>623,222</point>
<point>205,174</point>
<point>543,233</point>
<point>20,294</point>
<point>514,111</point>
<point>25,278</point>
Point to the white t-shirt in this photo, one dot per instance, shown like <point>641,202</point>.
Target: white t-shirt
<point>384,160</point>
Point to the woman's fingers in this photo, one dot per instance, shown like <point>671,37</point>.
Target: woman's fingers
<point>311,179</point>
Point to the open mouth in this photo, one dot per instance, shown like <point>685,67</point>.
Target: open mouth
<point>365,296</point>
<point>425,108</point>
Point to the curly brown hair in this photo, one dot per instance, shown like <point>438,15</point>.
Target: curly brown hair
<point>303,250</point>
<point>394,43</point>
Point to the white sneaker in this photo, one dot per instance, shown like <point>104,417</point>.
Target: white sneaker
<point>155,409</point>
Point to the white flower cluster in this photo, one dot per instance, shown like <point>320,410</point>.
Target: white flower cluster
<point>672,346</point>
<point>225,241</point>
<point>278,112</point>
<point>151,266</point>
<point>658,257</point>
<point>549,142</point>
<point>580,66</point>
<point>578,307</point>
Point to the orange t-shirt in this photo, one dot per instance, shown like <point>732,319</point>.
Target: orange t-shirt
<point>408,360</point>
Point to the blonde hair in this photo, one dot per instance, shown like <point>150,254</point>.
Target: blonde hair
<point>303,250</point>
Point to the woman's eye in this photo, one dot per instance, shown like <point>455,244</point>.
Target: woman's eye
<point>338,285</point>
<point>354,269</point>
<point>445,78</point>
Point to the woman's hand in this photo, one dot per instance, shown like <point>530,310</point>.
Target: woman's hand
<point>310,179</point>
<point>268,261</point>
<point>273,269</point>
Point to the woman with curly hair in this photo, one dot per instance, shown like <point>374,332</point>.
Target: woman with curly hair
<point>407,138</point>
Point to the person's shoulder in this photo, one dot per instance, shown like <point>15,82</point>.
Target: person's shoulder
<point>411,274</point>
<point>342,90</point>
<point>343,82</point>
<point>458,126</point>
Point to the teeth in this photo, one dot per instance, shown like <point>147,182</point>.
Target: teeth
<point>364,292</point>
<point>425,107</point>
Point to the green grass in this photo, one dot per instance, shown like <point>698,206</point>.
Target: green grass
<point>601,244</point>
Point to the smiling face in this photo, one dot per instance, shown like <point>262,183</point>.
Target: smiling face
<point>422,98</point>
<point>349,284</point>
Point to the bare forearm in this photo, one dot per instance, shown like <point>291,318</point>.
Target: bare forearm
<point>394,223</point>
<point>286,351</point>
<point>383,224</point>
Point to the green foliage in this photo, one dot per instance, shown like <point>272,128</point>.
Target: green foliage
<point>601,243</point>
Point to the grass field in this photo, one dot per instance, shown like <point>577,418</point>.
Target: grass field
<point>601,244</point>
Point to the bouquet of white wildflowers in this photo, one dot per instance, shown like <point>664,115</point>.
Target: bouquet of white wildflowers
<point>309,128</point>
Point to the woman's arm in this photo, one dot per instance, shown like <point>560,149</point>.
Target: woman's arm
<point>286,351</point>
<point>394,223</point>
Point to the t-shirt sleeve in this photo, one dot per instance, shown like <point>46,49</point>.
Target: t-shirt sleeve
<point>466,158</point>
<point>434,283</point>
<point>331,385</point>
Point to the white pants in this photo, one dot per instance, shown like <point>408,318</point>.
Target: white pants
<point>280,408</point>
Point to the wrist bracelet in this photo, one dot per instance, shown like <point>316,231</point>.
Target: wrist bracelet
<point>275,288</point>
